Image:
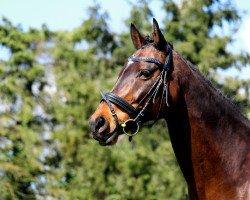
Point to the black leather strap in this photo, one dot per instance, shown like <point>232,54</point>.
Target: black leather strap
<point>150,60</point>
<point>123,104</point>
<point>112,110</point>
<point>162,66</point>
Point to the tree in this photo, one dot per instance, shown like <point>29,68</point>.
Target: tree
<point>23,121</point>
<point>50,87</point>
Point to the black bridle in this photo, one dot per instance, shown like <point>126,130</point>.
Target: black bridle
<point>132,126</point>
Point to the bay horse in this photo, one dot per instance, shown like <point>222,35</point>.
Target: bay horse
<point>209,135</point>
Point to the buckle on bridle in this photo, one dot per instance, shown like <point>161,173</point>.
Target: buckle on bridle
<point>130,127</point>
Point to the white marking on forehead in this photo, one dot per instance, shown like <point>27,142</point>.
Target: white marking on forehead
<point>130,62</point>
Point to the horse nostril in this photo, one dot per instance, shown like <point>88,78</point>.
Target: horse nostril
<point>100,121</point>
<point>101,124</point>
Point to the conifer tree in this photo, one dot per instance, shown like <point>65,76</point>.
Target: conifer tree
<point>50,86</point>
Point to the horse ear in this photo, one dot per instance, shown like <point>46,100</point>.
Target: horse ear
<point>158,37</point>
<point>136,37</point>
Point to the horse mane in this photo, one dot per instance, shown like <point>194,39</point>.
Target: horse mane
<point>225,100</point>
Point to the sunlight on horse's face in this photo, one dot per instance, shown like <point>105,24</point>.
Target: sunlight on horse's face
<point>133,83</point>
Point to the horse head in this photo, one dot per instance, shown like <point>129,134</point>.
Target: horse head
<point>140,92</point>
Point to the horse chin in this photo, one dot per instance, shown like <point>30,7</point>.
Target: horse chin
<point>111,140</point>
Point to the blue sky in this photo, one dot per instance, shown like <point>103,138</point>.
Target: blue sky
<point>68,14</point>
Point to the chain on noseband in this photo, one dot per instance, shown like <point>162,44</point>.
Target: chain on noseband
<point>132,126</point>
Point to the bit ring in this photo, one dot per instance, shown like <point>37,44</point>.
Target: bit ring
<point>130,127</point>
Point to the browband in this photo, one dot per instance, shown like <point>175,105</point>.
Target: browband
<point>150,60</point>
<point>161,65</point>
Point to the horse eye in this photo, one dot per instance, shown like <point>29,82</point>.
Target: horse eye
<point>144,74</point>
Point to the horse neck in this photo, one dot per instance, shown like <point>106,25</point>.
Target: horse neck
<point>209,136</point>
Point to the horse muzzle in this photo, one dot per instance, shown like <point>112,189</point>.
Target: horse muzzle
<point>101,131</point>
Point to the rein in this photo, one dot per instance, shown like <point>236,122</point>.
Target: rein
<point>131,126</point>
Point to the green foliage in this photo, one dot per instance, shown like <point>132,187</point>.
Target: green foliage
<point>50,87</point>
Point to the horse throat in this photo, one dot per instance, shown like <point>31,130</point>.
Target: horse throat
<point>209,136</point>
